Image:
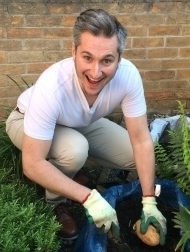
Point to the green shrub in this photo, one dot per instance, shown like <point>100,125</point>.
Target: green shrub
<point>27,223</point>
<point>182,221</point>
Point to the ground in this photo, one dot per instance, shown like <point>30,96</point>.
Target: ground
<point>126,214</point>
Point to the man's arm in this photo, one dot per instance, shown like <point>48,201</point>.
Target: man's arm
<point>145,161</point>
<point>143,152</point>
<point>39,170</point>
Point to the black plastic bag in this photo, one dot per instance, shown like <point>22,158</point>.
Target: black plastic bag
<point>90,240</point>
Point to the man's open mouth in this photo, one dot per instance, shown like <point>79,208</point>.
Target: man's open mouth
<point>94,81</point>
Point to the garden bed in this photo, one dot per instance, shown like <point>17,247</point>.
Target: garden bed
<point>128,212</point>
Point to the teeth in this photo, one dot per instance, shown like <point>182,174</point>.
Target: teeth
<point>94,79</point>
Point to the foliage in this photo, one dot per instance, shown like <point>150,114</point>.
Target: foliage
<point>173,162</point>
<point>26,222</point>
<point>182,221</point>
<point>184,174</point>
<point>10,156</point>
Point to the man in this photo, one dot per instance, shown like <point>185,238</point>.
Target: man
<point>59,122</point>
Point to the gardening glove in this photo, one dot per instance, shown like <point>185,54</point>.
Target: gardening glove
<point>100,213</point>
<point>151,214</point>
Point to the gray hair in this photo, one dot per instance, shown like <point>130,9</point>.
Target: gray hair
<point>99,22</point>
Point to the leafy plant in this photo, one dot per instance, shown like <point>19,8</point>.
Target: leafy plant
<point>26,222</point>
<point>174,162</point>
<point>10,156</point>
<point>182,221</point>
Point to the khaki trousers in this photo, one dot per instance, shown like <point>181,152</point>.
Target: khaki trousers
<point>104,142</point>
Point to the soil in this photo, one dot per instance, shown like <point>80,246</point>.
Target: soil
<point>128,212</point>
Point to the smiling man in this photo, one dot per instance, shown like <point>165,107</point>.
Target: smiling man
<point>59,122</point>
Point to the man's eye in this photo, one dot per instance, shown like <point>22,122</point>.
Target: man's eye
<point>107,61</point>
<point>87,58</point>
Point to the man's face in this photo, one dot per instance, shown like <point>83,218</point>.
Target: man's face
<point>96,61</point>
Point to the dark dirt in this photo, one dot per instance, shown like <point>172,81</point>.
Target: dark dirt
<point>128,213</point>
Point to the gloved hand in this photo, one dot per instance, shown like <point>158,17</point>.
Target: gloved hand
<point>151,214</point>
<point>100,212</point>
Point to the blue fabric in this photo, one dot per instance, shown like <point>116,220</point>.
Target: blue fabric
<point>90,240</point>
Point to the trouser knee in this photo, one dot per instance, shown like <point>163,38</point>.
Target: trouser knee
<point>71,159</point>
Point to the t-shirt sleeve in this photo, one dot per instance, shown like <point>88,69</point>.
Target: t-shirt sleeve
<point>41,114</point>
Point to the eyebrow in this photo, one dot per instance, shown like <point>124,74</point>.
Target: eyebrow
<point>105,56</point>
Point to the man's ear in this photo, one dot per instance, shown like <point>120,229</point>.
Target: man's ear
<point>73,50</point>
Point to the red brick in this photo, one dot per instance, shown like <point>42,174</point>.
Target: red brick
<point>160,95</point>
<point>42,44</point>
<point>57,32</point>
<point>133,8</point>
<point>68,20</point>
<point>183,94</point>
<point>159,75</point>
<point>178,18</point>
<point>184,52</point>
<point>10,45</point>
<point>147,42</point>
<point>1,32</point>
<point>173,85</point>
<point>146,20</point>
<point>175,64</point>
<point>183,73</point>
<point>162,53</point>
<point>155,64</point>
<point>165,7</point>
<point>126,20</point>
<point>66,44</point>
<point>163,106</point>
<point>12,21</point>
<point>137,31</point>
<point>53,56</point>
<point>135,54</point>
<point>27,8</point>
<point>9,92</point>
<point>23,80</point>
<point>3,57</point>
<point>43,21</point>
<point>185,30</point>
<point>22,33</point>
<point>161,30</point>
<point>37,68</point>
<point>3,80</point>
<point>177,41</point>
<point>12,69</point>
<point>21,57</point>
<point>58,8</point>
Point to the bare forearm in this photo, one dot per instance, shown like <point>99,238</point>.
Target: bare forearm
<point>145,162</point>
<point>49,177</point>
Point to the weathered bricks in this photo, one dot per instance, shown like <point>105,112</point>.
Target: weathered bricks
<point>35,34</point>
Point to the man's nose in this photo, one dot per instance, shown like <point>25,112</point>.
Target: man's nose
<point>96,71</point>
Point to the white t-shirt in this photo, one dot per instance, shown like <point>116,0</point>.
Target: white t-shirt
<point>57,98</point>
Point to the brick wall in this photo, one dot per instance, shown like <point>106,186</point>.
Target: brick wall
<point>35,34</point>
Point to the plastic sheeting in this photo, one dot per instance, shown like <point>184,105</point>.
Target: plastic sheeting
<point>158,126</point>
<point>90,240</point>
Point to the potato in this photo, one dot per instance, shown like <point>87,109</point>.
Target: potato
<point>151,237</point>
